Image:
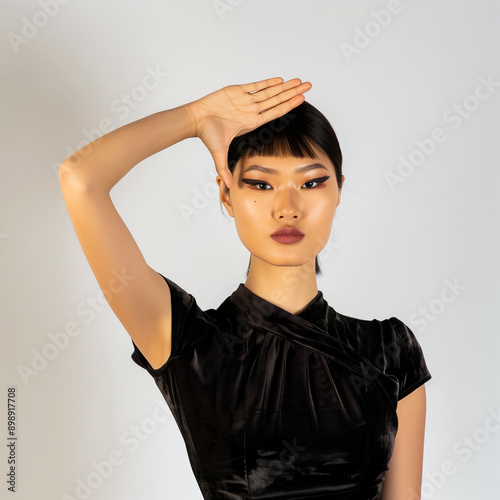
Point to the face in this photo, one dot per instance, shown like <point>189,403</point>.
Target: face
<point>296,197</point>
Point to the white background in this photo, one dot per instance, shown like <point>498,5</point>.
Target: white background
<point>65,71</point>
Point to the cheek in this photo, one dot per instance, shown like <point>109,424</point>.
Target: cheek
<point>323,211</point>
<point>251,208</point>
<point>247,208</point>
<point>247,215</point>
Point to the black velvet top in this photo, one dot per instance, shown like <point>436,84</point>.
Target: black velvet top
<point>274,405</point>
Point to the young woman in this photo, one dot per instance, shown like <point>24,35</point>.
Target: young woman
<point>276,394</point>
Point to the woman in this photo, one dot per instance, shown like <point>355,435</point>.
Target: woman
<point>276,394</point>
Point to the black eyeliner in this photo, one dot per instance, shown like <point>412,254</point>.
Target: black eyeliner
<point>319,179</point>
<point>253,182</point>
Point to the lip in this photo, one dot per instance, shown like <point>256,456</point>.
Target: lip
<point>287,235</point>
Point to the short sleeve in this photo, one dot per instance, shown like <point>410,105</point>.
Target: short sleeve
<point>185,331</point>
<point>408,363</point>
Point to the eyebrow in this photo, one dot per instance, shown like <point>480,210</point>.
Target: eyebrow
<point>272,171</point>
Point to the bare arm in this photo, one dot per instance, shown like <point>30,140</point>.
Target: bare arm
<point>403,480</point>
<point>138,295</point>
<point>140,298</point>
<point>103,162</point>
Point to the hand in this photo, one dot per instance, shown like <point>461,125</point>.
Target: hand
<point>235,110</point>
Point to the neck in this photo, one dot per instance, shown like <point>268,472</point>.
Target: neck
<point>291,288</point>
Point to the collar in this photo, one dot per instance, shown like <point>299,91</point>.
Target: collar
<point>256,310</point>
<point>313,328</point>
<point>309,330</point>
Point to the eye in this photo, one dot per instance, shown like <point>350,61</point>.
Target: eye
<point>315,182</point>
<point>260,185</point>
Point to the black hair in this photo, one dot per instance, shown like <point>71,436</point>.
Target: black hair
<point>293,134</point>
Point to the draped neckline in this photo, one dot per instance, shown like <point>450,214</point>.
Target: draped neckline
<point>310,328</point>
<point>315,312</point>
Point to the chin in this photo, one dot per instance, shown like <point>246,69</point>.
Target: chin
<point>287,261</point>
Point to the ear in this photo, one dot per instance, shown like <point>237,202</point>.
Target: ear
<point>225,195</point>
<point>340,191</point>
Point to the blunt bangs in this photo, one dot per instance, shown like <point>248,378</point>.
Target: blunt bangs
<point>294,134</point>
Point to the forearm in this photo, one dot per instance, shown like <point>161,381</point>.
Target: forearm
<point>103,162</point>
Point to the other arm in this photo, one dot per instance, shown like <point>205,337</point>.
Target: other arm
<point>403,480</point>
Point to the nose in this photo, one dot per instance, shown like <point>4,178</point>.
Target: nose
<point>287,204</point>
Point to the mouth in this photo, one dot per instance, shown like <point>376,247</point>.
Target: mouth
<point>287,235</point>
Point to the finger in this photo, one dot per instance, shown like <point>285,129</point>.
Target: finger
<point>269,92</point>
<point>284,97</point>
<point>256,86</point>
<point>220,160</point>
<point>281,109</point>
<point>227,178</point>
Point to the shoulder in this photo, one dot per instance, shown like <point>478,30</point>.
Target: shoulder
<point>191,327</point>
<point>359,333</point>
<point>388,344</point>
<point>371,331</point>
<point>186,305</point>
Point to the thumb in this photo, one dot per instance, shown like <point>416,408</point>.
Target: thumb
<point>220,160</point>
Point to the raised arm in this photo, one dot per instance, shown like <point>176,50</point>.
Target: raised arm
<point>138,295</point>
<point>140,298</point>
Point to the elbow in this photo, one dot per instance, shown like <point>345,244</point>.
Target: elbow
<point>72,179</point>
<point>64,172</point>
<point>74,174</point>
<point>68,167</point>
<point>82,173</point>
<point>68,176</point>
<point>72,163</point>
